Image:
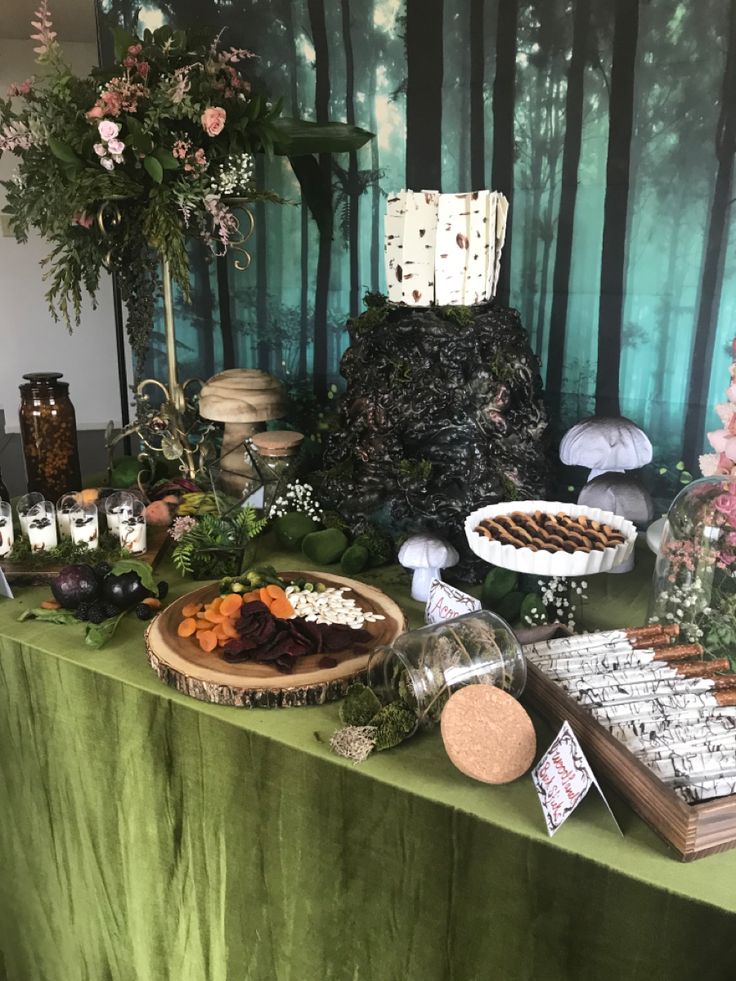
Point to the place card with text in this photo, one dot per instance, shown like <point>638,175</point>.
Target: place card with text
<point>562,779</point>
<point>445,602</point>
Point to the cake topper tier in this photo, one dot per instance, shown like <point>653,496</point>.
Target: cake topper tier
<point>444,248</point>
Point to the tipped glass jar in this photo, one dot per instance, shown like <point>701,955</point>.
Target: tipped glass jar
<point>424,667</point>
<point>48,430</point>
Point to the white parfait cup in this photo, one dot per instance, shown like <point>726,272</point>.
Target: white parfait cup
<point>7,536</point>
<point>41,521</point>
<point>132,528</point>
<point>85,526</point>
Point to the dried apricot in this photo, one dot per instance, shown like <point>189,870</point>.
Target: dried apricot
<point>187,627</point>
<point>207,640</point>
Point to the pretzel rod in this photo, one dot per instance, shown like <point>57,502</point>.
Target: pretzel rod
<point>674,652</point>
<point>635,672</point>
<point>707,789</point>
<point>647,728</point>
<point>644,692</point>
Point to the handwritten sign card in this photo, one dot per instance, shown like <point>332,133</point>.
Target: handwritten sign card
<point>562,778</point>
<point>445,602</point>
<point>5,589</point>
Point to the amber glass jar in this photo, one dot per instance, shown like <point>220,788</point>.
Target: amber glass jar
<point>48,429</point>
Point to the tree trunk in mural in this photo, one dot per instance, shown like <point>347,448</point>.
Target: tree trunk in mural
<point>304,216</point>
<point>714,257</point>
<point>613,253</point>
<point>261,257</point>
<point>322,106</point>
<point>202,307</point>
<point>226,320</point>
<point>568,196</point>
<point>504,98</point>
<point>376,251</point>
<point>353,195</point>
<point>477,100</point>
<point>424,94</point>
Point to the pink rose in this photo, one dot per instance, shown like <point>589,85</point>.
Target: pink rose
<point>213,120</point>
<point>96,112</point>
<point>100,149</point>
<point>135,49</point>
<point>115,146</point>
<point>731,393</point>
<point>717,440</point>
<point>107,163</point>
<point>144,68</point>
<point>108,130</point>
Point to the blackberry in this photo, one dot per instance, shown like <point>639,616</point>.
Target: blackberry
<point>143,611</point>
<point>82,612</point>
<point>103,569</point>
<point>97,613</point>
<point>163,590</point>
<point>111,610</point>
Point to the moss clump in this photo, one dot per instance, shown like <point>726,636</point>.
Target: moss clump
<point>380,546</point>
<point>360,705</point>
<point>376,312</point>
<point>462,316</point>
<point>394,723</point>
<point>325,547</point>
<point>354,560</point>
<point>291,529</point>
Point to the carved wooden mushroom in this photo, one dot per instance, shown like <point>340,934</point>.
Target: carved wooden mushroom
<point>244,399</point>
<point>606,445</point>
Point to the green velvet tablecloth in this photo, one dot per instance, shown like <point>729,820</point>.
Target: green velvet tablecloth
<point>148,837</point>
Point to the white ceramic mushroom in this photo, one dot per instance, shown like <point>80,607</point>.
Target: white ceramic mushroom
<point>427,555</point>
<point>606,445</point>
<point>620,493</point>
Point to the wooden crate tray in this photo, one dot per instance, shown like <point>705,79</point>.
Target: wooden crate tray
<point>693,830</point>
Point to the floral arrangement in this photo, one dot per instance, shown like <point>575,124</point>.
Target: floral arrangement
<point>213,545</point>
<point>297,496</point>
<point>119,168</point>
<point>723,440</point>
<point>695,578</point>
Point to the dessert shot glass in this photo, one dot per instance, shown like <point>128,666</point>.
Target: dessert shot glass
<point>7,536</point>
<point>24,505</point>
<point>114,505</point>
<point>41,520</point>
<point>85,525</point>
<point>132,528</point>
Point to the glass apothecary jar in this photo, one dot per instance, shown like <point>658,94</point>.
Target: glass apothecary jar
<point>273,455</point>
<point>424,667</point>
<point>695,573</point>
<point>48,429</point>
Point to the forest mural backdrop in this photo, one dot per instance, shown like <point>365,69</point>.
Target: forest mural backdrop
<point>609,124</point>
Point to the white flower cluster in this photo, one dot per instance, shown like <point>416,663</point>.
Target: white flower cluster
<point>234,175</point>
<point>684,604</point>
<point>556,594</point>
<point>297,497</point>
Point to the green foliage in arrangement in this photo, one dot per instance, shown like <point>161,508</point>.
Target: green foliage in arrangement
<point>214,545</point>
<point>121,167</point>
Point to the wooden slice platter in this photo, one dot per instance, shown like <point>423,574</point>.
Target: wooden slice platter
<point>180,663</point>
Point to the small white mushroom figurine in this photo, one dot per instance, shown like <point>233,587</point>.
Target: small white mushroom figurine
<point>427,555</point>
<point>605,445</point>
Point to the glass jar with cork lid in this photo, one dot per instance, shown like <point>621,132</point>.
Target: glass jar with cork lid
<point>48,430</point>
<point>273,454</point>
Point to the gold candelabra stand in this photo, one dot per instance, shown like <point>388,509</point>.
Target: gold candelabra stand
<point>173,428</point>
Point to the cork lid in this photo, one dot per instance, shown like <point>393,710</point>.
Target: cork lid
<point>277,442</point>
<point>487,734</point>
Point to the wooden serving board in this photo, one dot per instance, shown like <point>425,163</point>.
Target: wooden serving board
<point>181,663</point>
<point>158,541</point>
<point>693,830</point>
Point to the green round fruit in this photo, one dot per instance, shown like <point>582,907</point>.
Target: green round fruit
<point>325,547</point>
<point>509,606</point>
<point>354,560</point>
<point>291,529</point>
<point>532,606</point>
<point>125,472</point>
<point>498,583</point>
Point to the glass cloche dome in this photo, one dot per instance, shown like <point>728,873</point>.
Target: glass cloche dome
<point>695,573</point>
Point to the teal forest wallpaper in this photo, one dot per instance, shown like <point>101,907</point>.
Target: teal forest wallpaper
<point>609,124</point>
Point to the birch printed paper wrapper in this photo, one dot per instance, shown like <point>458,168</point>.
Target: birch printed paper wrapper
<point>550,563</point>
<point>443,248</point>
